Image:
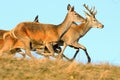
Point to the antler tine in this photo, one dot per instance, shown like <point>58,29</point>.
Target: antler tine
<point>86,6</point>
<point>95,12</point>
<point>91,11</point>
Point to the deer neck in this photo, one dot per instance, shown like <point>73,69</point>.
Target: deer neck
<point>84,28</point>
<point>64,26</point>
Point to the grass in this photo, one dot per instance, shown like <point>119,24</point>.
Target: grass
<point>43,69</point>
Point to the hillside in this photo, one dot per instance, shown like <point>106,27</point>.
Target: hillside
<point>23,69</point>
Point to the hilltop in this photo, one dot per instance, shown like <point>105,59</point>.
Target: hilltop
<point>43,69</point>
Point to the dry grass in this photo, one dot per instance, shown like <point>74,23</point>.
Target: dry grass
<point>21,69</point>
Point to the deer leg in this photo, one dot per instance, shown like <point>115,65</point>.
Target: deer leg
<point>1,53</point>
<point>26,44</point>
<point>7,44</point>
<point>73,56</point>
<point>63,56</point>
<point>77,50</point>
<point>12,52</point>
<point>66,57</point>
<point>27,51</point>
<point>89,59</point>
<point>42,52</point>
<point>61,53</point>
<point>57,48</point>
<point>20,52</point>
<point>51,50</point>
<point>77,45</point>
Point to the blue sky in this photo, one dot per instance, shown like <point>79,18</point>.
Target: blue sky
<point>102,44</point>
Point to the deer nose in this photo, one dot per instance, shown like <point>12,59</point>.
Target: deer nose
<point>102,26</point>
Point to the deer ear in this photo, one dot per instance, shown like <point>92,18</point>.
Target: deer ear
<point>72,9</point>
<point>36,19</point>
<point>68,7</point>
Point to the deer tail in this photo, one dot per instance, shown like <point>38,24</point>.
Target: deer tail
<point>6,34</point>
<point>10,33</point>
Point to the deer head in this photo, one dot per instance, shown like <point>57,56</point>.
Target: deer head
<point>74,16</point>
<point>90,17</point>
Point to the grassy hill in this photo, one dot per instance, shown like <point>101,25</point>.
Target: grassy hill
<point>22,69</point>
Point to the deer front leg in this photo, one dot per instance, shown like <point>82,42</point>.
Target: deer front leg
<point>73,56</point>
<point>61,53</point>
<point>77,50</point>
<point>77,45</point>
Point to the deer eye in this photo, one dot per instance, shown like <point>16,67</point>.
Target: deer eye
<point>75,13</point>
<point>94,20</point>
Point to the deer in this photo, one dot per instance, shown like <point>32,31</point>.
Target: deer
<point>27,32</point>
<point>16,48</point>
<point>78,31</point>
<point>2,32</point>
<point>10,50</point>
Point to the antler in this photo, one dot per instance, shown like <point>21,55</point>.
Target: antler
<point>91,11</point>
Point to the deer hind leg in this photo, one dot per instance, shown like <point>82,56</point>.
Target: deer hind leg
<point>26,44</point>
<point>7,44</point>
<point>49,46</point>
<point>57,48</point>
<point>12,52</point>
<point>20,52</point>
<point>77,46</point>
<point>15,50</point>
<point>42,52</point>
<point>27,51</point>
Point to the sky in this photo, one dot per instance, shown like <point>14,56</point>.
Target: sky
<point>102,44</point>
